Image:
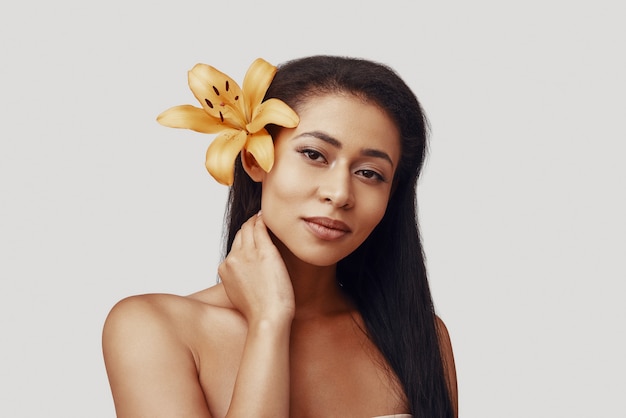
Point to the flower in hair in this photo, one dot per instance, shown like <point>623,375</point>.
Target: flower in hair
<point>238,115</point>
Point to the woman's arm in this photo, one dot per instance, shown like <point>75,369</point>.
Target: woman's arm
<point>262,386</point>
<point>257,283</point>
<point>448,364</point>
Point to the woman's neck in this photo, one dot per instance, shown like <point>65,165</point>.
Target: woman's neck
<point>316,290</point>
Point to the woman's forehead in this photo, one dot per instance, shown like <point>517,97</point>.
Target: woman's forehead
<point>349,119</point>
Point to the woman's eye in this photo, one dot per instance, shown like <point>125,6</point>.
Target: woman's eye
<point>312,154</point>
<point>371,174</point>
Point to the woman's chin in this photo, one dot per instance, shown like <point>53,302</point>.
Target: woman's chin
<point>315,257</point>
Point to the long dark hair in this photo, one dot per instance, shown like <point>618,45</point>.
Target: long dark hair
<point>386,276</point>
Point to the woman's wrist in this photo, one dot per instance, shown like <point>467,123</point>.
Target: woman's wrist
<point>270,324</point>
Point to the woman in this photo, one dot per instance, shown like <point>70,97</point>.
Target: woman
<point>323,309</point>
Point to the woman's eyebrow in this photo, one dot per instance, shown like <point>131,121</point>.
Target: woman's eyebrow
<point>368,152</point>
<point>323,136</point>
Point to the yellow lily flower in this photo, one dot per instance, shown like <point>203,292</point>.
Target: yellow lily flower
<point>238,115</point>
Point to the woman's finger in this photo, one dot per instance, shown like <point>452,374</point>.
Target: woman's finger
<point>261,235</point>
<point>242,237</point>
<point>247,232</point>
<point>237,241</point>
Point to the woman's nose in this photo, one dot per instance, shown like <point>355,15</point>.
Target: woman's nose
<point>335,187</point>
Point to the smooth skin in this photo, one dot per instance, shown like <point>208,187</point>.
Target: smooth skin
<point>276,338</point>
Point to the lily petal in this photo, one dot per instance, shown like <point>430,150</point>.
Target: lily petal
<point>261,146</point>
<point>220,96</point>
<point>190,117</point>
<point>221,154</point>
<point>273,111</point>
<point>256,82</point>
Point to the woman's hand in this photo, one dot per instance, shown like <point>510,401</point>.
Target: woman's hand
<point>255,277</point>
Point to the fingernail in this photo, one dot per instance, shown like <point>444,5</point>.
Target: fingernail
<point>258,213</point>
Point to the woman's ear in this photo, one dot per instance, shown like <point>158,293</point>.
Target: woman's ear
<point>251,167</point>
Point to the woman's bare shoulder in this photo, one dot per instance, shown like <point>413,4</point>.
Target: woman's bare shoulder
<point>170,316</point>
<point>214,296</point>
<point>154,344</point>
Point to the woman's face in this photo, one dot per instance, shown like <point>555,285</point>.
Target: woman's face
<point>331,179</point>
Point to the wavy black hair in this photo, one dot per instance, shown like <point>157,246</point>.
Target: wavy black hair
<point>386,276</point>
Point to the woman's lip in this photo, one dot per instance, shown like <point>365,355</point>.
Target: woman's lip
<point>326,228</point>
<point>329,223</point>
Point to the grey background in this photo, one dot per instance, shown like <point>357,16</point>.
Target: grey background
<point>521,203</point>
